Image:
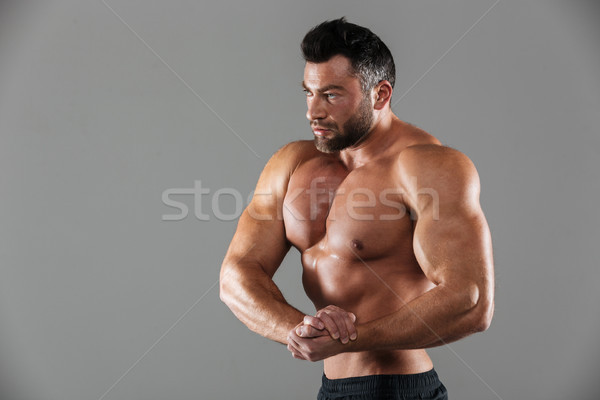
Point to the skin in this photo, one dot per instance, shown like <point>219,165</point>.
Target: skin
<point>395,249</point>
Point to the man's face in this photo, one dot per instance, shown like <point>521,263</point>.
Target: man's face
<point>339,112</point>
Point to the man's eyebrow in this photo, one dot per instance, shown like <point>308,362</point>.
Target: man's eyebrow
<point>326,88</point>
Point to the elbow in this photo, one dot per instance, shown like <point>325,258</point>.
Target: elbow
<point>223,293</point>
<point>478,305</point>
<point>483,312</point>
<point>483,319</point>
<point>225,284</point>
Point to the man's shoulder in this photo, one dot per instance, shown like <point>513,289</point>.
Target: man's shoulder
<point>414,142</point>
<point>430,155</point>
<point>436,164</point>
<point>280,167</point>
<point>298,149</point>
<point>293,154</point>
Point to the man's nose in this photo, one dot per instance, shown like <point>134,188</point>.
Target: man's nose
<point>316,109</point>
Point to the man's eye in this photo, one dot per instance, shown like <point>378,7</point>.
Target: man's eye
<point>306,92</point>
<point>331,95</point>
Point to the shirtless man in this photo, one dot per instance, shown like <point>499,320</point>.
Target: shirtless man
<point>396,252</point>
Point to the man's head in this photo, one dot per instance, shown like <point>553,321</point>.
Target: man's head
<point>349,74</point>
<point>371,60</point>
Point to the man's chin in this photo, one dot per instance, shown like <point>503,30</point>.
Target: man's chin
<point>324,145</point>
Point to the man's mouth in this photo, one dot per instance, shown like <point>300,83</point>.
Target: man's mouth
<point>319,131</point>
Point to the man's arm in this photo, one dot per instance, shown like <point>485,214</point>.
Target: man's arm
<point>453,247</point>
<point>255,253</point>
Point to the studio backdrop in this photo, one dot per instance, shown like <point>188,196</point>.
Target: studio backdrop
<point>132,134</point>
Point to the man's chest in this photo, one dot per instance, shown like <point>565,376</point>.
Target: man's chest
<point>359,213</point>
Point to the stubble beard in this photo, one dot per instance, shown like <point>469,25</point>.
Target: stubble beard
<point>354,130</point>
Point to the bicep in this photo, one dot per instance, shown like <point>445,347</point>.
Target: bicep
<point>258,241</point>
<point>454,249</point>
<point>451,238</point>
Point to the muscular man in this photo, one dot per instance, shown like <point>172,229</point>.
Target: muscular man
<point>396,252</point>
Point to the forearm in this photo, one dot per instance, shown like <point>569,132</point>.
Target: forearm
<point>256,301</point>
<point>437,317</point>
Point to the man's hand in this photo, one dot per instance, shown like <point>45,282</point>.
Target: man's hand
<point>313,348</point>
<point>316,337</point>
<point>339,323</point>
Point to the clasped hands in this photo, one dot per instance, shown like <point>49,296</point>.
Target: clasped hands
<point>322,336</point>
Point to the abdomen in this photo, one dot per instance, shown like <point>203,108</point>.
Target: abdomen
<point>369,288</point>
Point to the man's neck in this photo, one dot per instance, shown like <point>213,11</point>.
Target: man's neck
<point>374,145</point>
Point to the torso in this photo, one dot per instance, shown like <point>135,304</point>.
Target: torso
<point>355,232</point>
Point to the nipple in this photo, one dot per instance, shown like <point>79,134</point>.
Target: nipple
<point>356,244</point>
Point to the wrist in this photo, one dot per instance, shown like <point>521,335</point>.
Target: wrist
<point>358,344</point>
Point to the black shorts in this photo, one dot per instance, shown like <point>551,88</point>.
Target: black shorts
<point>423,386</point>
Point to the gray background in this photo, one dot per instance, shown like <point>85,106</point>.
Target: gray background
<point>102,299</point>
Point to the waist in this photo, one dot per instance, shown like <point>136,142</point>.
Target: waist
<point>424,382</point>
<point>403,362</point>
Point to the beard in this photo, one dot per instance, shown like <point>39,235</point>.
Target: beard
<point>354,130</point>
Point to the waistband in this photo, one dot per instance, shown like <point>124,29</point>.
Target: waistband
<point>362,385</point>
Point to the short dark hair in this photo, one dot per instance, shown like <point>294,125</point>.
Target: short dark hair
<point>370,58</point>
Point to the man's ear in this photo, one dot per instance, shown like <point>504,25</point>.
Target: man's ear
<point>383,94</point>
